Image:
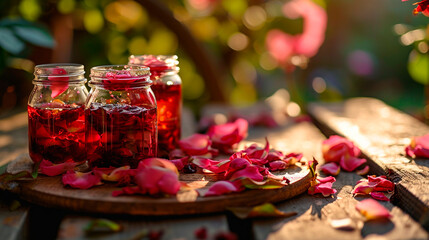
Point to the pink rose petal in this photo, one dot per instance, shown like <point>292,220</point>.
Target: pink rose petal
<point>159,162</point>
<point>277,165</point>
<point>350,163</point>
<point>225,136</point>
<point>331,168</point>
<point>381,183</point>
<point>371,209</point>
<point>323,186</point>
<point>196,144</point>
<point>180,162</point>
<point>419,147</point>
<point>59,83</point>
<point>379,196</point>
<point>250,171</point>
<point>123,175</point>
<point>211,165</point>
<point>81,180</point>
<point>363,171</point>
<point>155,180</point>
<point>335,147</point>
<point>50,169</point>
<point>221,188</point>
<point>363,187</point>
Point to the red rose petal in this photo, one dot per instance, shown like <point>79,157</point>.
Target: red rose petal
<point>196,144</point>
<point>251,172</point>
<point>221,188</point>
<point>277,165</point>
<point>156,179</point>
<point>50,169</point>
<point>225,136</point>
<point>381,183</point>
<point>363,171</point>
<point>211,165</point>
<point>335,147</point>
<point>419,147</point>
<point>59,83</point>
<point>323,186</point>
<point>350,163</point>
<point>81,180</point>
<point>159,162</point>
<point>371,209</point>
<point>379,196</point>
<point>331,168</point>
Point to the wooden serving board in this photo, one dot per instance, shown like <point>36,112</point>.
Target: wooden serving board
<point>50,192</point>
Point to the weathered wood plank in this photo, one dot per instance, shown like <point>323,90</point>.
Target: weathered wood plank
<point>72,227</point>
<point>382,133</point>
<point>13,142</point>
<point>316,213</point>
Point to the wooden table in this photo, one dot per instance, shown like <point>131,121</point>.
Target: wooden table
<point>380,131</point>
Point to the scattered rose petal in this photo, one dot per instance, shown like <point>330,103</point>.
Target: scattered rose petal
<point>225,136</point>
<point>201,233</point>
<point>196,144</point>
<point>381,183</point>
<point>363,171</point>
<point>270,183</point>
<point>123,175</point>
<point>180,162</point>
<point>250,171</point>
<point>323,186</point>
<point>211,165</point>
<point>277,165</point>
<point>156,179</point>
<point>160,162</point>
<point>50,169</point>
<point>331,168</point>
<point>379,196</point>
<point>335,147</point>
<point>264,210</point>
<point>419,147</point>
<point>293,158</point>
<point>221,188</point>
<point>350,163</point>
<point>81,180</point>
<point>371,209</point>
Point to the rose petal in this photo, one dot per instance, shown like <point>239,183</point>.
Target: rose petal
<point>381,183</point>
<point>50,169</point>
<point>363,171</point>
<point>128,191</point>
<point>419,147</point>
<point>350,163</point>
<point>59,83</point>
<point>180,163</point>
<point>331,168</point>
<point>277,165</point>
<point>159,162</point>
<point>335,147</point>
<point>371,209</point>
<point>123,175</point>
<point>250,171</point>
<point>379,196</point>
<point>363,187</point>
<point>81,180</point>
<point>211,165</point>
<point>293,158</point>
<point>225,136</point>
<point>156,179</point>
<point>323,186</point>
<point>196,144</point>
<point>221,188</point>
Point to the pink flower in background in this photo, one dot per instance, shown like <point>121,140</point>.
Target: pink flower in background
<point>282,46</point>
<point>419,147</point>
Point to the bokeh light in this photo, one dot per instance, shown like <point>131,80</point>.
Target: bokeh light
<point>319,84</point>
<point>238,41</point>
<point>254,17</point>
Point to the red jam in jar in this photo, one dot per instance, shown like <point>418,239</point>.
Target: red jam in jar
<point>121,117</point>
<point>167,86</point>
<point>56,120</point>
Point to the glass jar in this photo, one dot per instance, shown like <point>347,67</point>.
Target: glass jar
<point>56,120</point>
<point>121,116</point>
<point>167,86</point>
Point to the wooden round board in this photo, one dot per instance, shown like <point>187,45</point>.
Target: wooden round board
<point>50,192</point>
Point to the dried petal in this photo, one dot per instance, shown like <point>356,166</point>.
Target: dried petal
<point>196,144</point>
<point>156,179</point>
<point>250,171</point>
<point>363,171</point>
<point>323,186</point>
<point>50,169</point>
<point>335,147</point>
<point>225,136</point>
<point>371,209</point>
<point>81,180</point>
<point>211,165</point>
<point>379,196</point>
<point>419,147</point>
<point>221,188</point>
<point>350,163</point>
<point>331,168</point>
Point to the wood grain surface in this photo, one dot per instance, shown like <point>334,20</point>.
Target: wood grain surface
<point>382,133</point>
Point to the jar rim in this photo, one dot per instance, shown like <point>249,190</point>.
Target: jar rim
<point>134,71</point>
<point>152,60</point>
<point>72,72</point>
